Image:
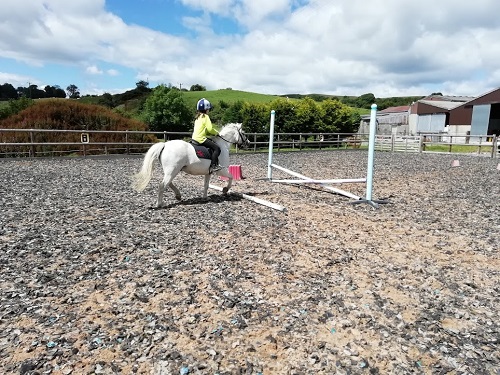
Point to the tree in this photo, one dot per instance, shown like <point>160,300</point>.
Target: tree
<point>197,87</point>
<point>54,92</point>
<point>285,121</point>
<point>107,100</point>
<point>233,113</point>
<point>365,101</point>
<point>73,92</point>
<point>142,84</point>
<point>7,91</point>
<point>337,117</point>
<point>308,116</point>
<point>165,110</point>
<point>255,119</point>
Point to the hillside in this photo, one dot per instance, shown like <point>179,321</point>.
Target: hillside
<point>132,100</point>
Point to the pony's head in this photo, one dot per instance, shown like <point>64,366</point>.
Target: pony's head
<point>233,133</point>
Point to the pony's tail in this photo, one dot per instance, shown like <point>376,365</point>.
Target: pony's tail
<point>141,180</point>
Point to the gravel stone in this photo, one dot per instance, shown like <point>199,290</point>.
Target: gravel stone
<point>94,280</point>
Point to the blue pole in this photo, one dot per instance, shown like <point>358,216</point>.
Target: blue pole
<point>371,152</point>
<point>271,145</point>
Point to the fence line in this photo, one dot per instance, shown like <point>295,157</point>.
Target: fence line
<point>40,142</point>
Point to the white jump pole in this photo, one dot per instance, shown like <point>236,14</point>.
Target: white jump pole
<point>271,145</point>
<point>371,155</point>
<point>305,179</point>
<point>323,185</point>
<point>253,199</point>
<point>319,182</point>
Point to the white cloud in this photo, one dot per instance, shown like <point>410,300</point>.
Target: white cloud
<point>113,72</point>
<point>387,47</point>
<point>94,70</point>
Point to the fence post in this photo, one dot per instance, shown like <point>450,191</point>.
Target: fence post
<point>254,142</point>
<point>32,146</point>
<point>479,146</point>
<point>421,146</point>
<point>126,142</point>
<point>494,146</point>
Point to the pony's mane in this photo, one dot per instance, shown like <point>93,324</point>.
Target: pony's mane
<point>232,125</point>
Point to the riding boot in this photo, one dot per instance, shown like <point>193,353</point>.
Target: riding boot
<point>215,168</point>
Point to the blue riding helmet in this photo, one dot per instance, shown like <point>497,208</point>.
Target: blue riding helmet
<point>203,105</point>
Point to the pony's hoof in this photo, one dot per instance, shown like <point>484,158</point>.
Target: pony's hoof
<point>178,197</point>
<point>225,190</point>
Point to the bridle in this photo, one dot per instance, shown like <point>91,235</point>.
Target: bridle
<point>242,138</point>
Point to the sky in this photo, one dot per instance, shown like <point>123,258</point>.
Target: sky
<point>334,47</point>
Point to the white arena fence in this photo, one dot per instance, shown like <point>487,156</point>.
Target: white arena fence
<point>49,143</point>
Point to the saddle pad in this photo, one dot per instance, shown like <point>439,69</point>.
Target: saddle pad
<point>202,152</point>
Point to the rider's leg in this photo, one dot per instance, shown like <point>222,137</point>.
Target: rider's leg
<point>215,154</point>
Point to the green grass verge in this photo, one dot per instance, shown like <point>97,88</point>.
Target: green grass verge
<point>462,149</point>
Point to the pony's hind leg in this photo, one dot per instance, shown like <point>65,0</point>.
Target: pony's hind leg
<point>167,181</point>
<point>161,188</point>
<point>176,191</point>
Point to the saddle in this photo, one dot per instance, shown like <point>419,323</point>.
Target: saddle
<point>201,151</point>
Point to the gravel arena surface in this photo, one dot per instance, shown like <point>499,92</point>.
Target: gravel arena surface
<point>96,281</point>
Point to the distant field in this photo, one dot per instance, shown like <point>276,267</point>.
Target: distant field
<point>228,96</point>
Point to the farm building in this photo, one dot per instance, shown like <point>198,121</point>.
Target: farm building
<point>392,120</point>
<point>443,115</point>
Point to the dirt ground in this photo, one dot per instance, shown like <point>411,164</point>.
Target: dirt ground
<point>94,280</point>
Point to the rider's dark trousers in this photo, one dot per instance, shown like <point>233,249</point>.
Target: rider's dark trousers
<point>215,150</point>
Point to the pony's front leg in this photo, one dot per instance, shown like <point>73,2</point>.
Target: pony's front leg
<point>205,186</point>
<point>225,173</point>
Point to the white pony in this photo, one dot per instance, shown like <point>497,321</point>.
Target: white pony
<point>177,155</point>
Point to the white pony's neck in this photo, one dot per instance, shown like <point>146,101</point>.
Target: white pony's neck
<point>226,137</point>
<point>223,144</point>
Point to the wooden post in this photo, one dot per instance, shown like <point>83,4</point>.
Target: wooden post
<point>494,146</point>
<point>126,142</point>
<point>32,146</point>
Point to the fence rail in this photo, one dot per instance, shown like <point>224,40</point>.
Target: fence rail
<point>44,142</point>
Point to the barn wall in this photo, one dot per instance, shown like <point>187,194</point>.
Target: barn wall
<point>461,115</point>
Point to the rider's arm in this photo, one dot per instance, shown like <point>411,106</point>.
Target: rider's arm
<point>209,128</point>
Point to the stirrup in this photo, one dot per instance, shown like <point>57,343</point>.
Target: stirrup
<point>215,168</point>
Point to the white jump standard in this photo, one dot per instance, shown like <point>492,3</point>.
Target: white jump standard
<point>305,179</point>
<point>325,183</point>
